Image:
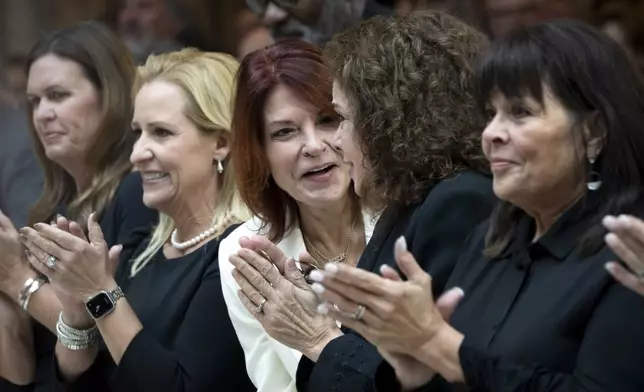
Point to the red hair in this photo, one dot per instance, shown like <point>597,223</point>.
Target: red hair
<point>299,66</point>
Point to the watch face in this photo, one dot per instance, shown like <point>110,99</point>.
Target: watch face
<point>99,305</point>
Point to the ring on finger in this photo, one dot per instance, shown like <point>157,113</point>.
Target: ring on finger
<point>359,313</point>
<point>260,307</point>
<point>265,255</point>
<point>51,261</point>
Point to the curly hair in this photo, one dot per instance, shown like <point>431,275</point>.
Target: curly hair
<point>408,83</point>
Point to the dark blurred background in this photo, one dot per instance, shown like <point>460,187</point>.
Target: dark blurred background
<point>229,25</point>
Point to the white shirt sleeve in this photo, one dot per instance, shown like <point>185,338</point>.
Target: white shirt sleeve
<point>271,366</point>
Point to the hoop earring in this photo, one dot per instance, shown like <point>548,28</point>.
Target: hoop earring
<point>220,167</point>
<point>594,182</point>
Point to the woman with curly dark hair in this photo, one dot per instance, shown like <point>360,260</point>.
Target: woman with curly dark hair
<point>411,134</point>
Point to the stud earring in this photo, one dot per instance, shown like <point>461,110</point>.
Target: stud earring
<point>220,167</point>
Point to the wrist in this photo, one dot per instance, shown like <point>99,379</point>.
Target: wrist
<point>107,284</point>
<point>18,277</point>
<point>441,353</point>
<point>313,352</point>
<point>77,317</point>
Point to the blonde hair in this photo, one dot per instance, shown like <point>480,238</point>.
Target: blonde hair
<point>208,82</point>
<point>108,65</point>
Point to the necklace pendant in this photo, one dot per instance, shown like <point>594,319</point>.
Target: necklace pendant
<point>338,259</point>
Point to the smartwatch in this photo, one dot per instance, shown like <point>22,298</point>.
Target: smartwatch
<point>103,303</point>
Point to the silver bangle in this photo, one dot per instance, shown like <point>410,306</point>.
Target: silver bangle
<point>76,339</point>
<point>30,287</point>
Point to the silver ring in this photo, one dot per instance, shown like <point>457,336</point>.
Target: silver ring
<point>359,313</point>
<point>260,307</point>
<point>51,262</point>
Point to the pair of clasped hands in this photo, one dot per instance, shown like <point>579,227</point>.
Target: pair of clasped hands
<point>83,267</point>
<point>303,316</point>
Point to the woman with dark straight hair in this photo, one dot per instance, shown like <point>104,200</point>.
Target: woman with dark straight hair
<point>539,313</point>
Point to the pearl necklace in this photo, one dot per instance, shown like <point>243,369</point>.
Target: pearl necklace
<point>196,239</point>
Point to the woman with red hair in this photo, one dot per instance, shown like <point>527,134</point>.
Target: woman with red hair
<point>299,190</point>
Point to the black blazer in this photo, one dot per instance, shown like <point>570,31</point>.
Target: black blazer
<point>435,231</point>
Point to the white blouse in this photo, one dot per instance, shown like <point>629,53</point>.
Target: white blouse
<point>271,365</point>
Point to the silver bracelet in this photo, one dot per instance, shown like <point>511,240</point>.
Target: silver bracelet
<point>76,339</point>
<point>30,287</point>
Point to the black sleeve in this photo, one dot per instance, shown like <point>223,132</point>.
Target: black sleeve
<point>6,386</point>
<point>435,236</point>
<point>127,213</point>
<point>612,346</point>
<point>438,232</point>
<point>93,379</point>
<point>206,356</point>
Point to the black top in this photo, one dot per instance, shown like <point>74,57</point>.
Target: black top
<point>123,217</point>
<point>544,318</point>
<point>435,231</point>
<point>187,343</point>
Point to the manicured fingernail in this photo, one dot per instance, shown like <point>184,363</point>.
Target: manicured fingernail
<point>331,268</point>
<point>624,220</point>
<point>460,291</point>
<point>316,276</point>
<point>318,288</point>
<point>38,226</point>
<point>323,309</point>
<point>609,221</point>
<point>610,239</point>
<point>400,247</point>
<point>610,267</point>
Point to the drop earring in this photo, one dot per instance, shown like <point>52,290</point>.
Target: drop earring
<point>594,182</point>
<point>220,167</point>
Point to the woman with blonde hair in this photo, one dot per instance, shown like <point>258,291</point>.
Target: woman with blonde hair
<point>162,317</point>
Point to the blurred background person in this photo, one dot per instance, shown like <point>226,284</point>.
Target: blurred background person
<point>315,21</point>
<point>21,178</point>
<point>156,26</point>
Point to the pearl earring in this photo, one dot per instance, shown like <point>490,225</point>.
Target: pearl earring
<point>220,167</point>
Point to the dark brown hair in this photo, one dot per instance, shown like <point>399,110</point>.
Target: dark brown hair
<point>107,64</point>
<point>408,82</point>
<point>299,66</point>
